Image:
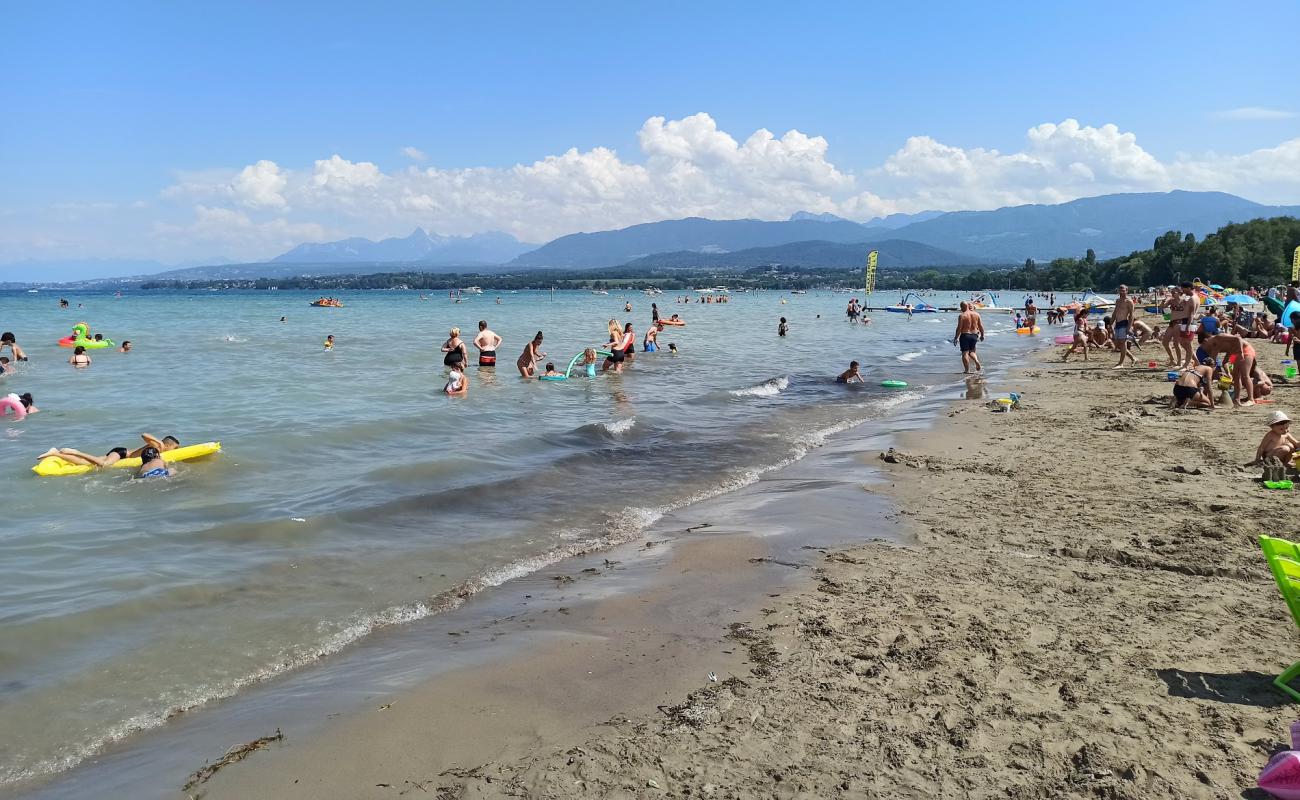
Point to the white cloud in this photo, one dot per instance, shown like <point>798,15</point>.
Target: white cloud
<point>259,185</point>
<point>415,154</point>
<point>1255,114</point>
<point>690,167</point>
<point>234,232</point>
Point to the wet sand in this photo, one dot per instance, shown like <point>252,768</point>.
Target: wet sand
<point>1082,612</point>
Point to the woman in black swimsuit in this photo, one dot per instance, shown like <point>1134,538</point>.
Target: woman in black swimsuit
<point>457,354</point>
<point>629,342</point>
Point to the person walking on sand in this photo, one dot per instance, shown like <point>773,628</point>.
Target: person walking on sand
<point>487,343</point>
<point>1080,335</point>
<point>1122,327</point>
<point>970,332</point>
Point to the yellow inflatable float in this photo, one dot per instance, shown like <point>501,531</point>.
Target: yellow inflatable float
<point>55,466</point>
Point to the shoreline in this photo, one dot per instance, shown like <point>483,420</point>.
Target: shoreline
<point>1041,636</point>
<point>761,557</point>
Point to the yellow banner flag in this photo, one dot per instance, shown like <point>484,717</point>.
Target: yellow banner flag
<point>871,270</point>
<point>1295,265</point>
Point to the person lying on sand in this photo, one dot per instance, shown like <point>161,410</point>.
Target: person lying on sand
<point>72,456</point>
<point>1278,442</point>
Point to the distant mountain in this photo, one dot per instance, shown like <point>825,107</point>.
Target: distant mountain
<point>891,221</point>
<point>1112,225</point>
<point>493,247</point>
<point>893,253</point>
<point>899,220</point>
<point>612,248</point>
<point>809,216</point>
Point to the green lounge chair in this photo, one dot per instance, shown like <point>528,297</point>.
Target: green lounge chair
<point>1284,561</point>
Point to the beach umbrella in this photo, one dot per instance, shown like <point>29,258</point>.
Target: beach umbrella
<point>1216,286</point>
<point>1240,299</point>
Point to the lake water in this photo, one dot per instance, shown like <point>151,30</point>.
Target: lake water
<point>350,493</point>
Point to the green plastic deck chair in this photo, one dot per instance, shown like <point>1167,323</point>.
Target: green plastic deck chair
<point>1284,561</point>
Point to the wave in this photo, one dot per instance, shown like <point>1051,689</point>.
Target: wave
<point>619,426</point>
<point>912,356</point>
<point>768,388</point>
<point>619,527</point>
<point>233,339</point>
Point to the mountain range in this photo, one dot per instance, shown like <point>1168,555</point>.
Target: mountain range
<point>1109,225</point>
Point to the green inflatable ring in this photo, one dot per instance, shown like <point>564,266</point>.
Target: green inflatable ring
<point>893,384</point>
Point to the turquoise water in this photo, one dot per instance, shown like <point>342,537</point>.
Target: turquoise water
<point>351,494</point>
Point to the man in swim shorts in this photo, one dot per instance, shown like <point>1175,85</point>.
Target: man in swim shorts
<point>1121,326</point>
<point>1243,365</point>
<point>487,343</point>
<point>72,456</point>
<point>970,331</point>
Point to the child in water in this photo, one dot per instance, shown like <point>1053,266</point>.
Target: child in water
<point>550,370</point>
<point>589,361</point>
<point>457,383</point>
<point>329,342</point>
<point>672,348</point>
<point>850,375</point>
<point>782,328</point>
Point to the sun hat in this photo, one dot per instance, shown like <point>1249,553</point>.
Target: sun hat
<point>1278,416</point>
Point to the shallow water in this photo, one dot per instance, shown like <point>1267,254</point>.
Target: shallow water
<point>351,494</point>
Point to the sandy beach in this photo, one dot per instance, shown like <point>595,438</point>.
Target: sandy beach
<point>1082,612</point>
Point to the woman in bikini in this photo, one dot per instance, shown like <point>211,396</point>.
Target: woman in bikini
<point>527,362</point>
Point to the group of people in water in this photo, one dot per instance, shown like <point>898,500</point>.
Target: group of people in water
<point>618,351</point>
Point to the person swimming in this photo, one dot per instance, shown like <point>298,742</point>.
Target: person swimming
<point>152,465</point>
<point>72,456</point>
<point>850,375</point>
<point>7,339</point>
<point>672,348</point>
<point>550,371</point>
<point>126,346</point>
<point>329,342</point>
<point>20,405</point>
<point>79,359</point>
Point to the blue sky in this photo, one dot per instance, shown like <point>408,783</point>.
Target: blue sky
<point>125,127</point>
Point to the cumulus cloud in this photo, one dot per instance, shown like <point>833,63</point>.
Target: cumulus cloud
<point>1255,114</point>
<point>259,185</point>
<point>415,154</point>
<point>236,233</point>
<point>691,167</point>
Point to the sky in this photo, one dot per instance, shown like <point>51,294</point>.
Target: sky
<point>196,132</point>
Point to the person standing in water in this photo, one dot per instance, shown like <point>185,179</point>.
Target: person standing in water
<point>487,343</point>
<point>782,327</point>
<point>456,355</point>
<point>970,332</point>
<point>527,362</point>
<point>654,313</point>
